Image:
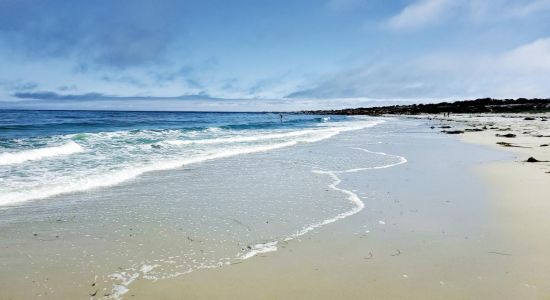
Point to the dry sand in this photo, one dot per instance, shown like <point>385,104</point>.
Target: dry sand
<point>520,189</point>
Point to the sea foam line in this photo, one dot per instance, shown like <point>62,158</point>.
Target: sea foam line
<point>8,158</point>
<point>351,196</point>
<point>240,139</point>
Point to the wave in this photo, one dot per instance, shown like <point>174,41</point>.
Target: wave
<point>122,175</point>
<point>271,124</point>
<point>9,158</point>
<point>322,134</point>
<point>242,139</point>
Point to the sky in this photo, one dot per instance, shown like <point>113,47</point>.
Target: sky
<point>256,55</point>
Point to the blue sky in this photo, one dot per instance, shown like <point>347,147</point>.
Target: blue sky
<point>269,55</point>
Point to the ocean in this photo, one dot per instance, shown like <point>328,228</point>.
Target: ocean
<point>101,199</point>
<point>46,153</point>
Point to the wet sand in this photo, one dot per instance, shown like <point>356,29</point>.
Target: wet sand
<point>438,231</point>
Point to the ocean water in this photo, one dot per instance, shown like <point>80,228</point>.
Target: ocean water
<point>90,202</point>
<point>46,153</point>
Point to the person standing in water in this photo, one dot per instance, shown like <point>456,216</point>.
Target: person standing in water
<point>281,116</point>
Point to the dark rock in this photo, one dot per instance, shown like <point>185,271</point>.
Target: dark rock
<point>532,160</point>
<point>544,145</point>
<point>508,135</point>
<point>473,129</point>
<point>529,119</point>
<point>445,126</point>
<point>453,131</point>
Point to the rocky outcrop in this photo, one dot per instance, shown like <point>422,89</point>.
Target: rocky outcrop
<point>485,105</point>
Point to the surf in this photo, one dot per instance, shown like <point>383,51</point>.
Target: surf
<point>10,158</point>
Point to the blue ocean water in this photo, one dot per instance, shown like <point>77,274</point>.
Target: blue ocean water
<point>46,153</point>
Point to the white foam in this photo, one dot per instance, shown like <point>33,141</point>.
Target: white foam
<point>117,177</point>
<point>242,139</point>
<point>316,134</point>
<point>352,197</point>
<point>259,249</point>
<point>147,268</point>
<point>402,160</point>
<point>8,158</point>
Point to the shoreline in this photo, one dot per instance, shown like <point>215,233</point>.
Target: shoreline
<point>447,224</point>
<point>514,253</point>
<point>386,251</point>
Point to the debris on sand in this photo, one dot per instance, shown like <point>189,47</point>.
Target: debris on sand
<point>370,256</point>
<point>453,131</point>
<point>508,135</point>
<point>506,144</point>
<point>398,252</point>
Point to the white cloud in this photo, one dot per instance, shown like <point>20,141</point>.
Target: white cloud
<point>522,71</point>
<point>423,13</point>
<point>420,14</point>
<point>533,57</point>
